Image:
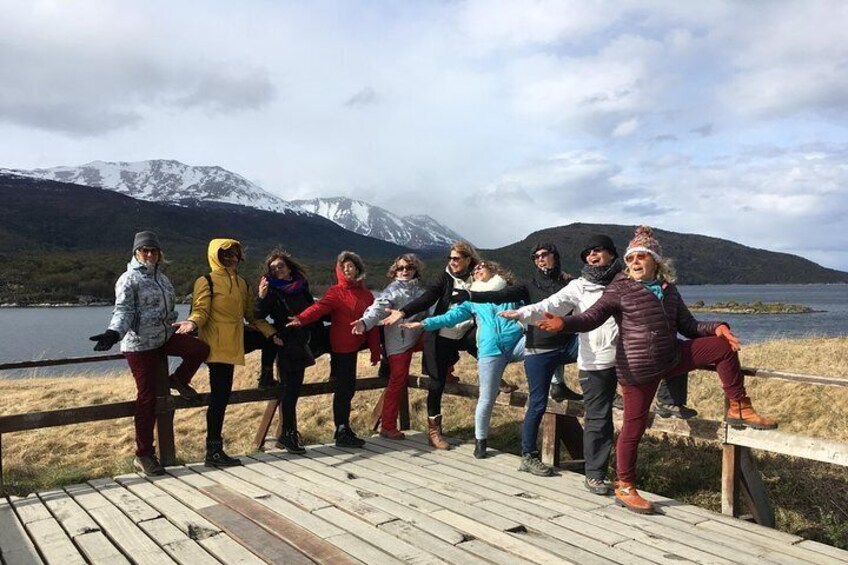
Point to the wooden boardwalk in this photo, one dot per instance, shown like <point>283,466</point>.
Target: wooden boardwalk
<point>393,502</point>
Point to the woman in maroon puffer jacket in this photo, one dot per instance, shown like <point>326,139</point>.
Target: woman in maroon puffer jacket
<point>650,313</point>
<point>344,302</point>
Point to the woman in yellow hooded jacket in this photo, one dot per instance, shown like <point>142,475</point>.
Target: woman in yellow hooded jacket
<point>218,313</point>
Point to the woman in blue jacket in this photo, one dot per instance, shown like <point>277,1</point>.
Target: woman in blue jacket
<point>499,342</point>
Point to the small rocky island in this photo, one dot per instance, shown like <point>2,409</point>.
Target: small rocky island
<point>733,307</point>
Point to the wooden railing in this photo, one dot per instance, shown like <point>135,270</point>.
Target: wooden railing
<point>560,427</point>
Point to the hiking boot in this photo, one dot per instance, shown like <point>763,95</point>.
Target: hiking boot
<point>530,463</point>
<point>290,441</point>
<point>266,378</point>
<point>187,393</point>
<point>682,412</point>
<point>345,437</point>
<point>598,486</point>
<point>392,434</point>
<point>742,414</point>
<point>434,433</point>
<point>627,496</point>
<point>479,448</point>
<point>507,387</point>
<point>149,465</point>
<point>560,392</point>
<point>215,456</point>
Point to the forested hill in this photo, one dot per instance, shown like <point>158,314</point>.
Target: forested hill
<point>698,259</point>
<point>60,242</point>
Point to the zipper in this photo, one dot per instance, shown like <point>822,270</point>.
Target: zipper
<point>164,300</point>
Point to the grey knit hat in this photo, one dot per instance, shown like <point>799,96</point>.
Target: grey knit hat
<point>145,239</point>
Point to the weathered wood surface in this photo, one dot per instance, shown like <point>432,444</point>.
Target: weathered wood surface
<point>391,502</point>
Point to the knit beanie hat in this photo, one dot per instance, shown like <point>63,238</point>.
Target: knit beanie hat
<point>145,239</point>
<point>550,247</point>
<point>644,241</point>
<point>595,241</point>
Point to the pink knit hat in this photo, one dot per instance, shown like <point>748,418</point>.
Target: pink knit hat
<point>644,241</point>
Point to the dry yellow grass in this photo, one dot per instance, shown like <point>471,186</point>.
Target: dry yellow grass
<point>802,491</point>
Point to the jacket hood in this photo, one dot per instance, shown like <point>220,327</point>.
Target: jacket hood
<point>216,245</point>
<point>360,266</point>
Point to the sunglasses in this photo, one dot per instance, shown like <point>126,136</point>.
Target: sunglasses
<point>480,267</point>
<point>540,255</point>
<point>148,250</point>
<point>456,258</point>
<point>641,255</point>
<point>406,268</point>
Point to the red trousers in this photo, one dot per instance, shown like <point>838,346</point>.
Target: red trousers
<point>145,368</point>
<point>398,378</point>
<point>694,354</point>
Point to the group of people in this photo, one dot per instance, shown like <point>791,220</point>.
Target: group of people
<point>627,311</point>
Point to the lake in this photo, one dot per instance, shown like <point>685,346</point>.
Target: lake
<point>48,333</point>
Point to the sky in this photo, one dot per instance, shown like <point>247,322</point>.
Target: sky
<point>496,118</point>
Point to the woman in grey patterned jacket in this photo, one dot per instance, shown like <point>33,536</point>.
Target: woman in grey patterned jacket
<point>400,342</point>
<point>142,321</point>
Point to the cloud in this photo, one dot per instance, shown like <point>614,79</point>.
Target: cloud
<point>365,97</point>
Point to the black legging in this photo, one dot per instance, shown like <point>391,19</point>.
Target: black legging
<point>441,352</point>
<point>343,373</point>
<point>292,380</point>
<point>220,384</point>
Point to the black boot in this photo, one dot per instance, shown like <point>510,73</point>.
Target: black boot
<point>215,456</point>
<point>560,392</point>
<point>266,378</point>
<point>480,448</point>
<point>290,441</point>
<point>345,437</point>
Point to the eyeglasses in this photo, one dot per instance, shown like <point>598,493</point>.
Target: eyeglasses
<point>480,267</point>
<point>641,255</point>
<point>406,268</point>
<point>456,258</point>
<point>540,255</point>
<point>148,250</point>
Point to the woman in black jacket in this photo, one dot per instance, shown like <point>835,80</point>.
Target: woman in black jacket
<point>283,293</point>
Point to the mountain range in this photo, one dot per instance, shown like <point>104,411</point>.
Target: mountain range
<point>177,183</point>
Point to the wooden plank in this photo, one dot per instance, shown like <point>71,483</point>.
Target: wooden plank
<point>58,362</point>
<point>135,508</point>
<point>265,423</point>
<point>828,550</point>
<point>99,550</point>
<point>229,551</point>
<point>550,432</point>
<point>73,518</point>
<point>754,490</point>
<point>378,538</point>
<point>816,449</point>
<point>467,510</point>
<point>267,546</point>
<point>362,550</point>
<point>176,543</point>
<point>289,531</point>
<point>421,537</point>
<point>122,531</point>
<point>286,486</point>
<point>730,480</point>
<point>654,553</point>
<point>52,542</point>
<point>15,545</point>
<point>180,490</point>
<point>492,554</point>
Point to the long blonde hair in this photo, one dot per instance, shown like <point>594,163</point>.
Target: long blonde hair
<point>665,270</point>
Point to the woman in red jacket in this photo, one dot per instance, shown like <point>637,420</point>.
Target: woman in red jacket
<point>650,313</point>
<point>344,302</point>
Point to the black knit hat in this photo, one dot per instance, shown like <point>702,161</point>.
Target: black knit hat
<point>598,240</point>
<point>547,246</point>
<point>145,239</point>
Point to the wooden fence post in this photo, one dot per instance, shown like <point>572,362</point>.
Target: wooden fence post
<point>730,480</point>
<point>754,490</point>
<point>551,438</point>
<point>165,410</point>
<point>2,484</point>
<point>265,423</point>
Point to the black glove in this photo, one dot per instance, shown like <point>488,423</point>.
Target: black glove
<point>106,340</point>
<point>460,296</point>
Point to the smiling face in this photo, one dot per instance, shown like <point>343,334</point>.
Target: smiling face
<point>279,269</point>
<point>350,271</point>
<point>457,262</point>
<point>482,272</point>
<point>148,255</point>
<point>405,270</point>
<point>599,257</point>
<point>544,259</point>
<point>641,266</point>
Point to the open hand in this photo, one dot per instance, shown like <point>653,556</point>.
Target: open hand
<point>185,327</point>
<point>724,332</point>
<point>278,341</point>
<point>263,287</point>
<point>510,314</point>
<point>357,327</point>
<point>412,325</point>
<point>393,318</point>
<point>551,323</point>
<point>294,322</point>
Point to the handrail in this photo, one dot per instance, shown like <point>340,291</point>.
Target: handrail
<point>56,362</point>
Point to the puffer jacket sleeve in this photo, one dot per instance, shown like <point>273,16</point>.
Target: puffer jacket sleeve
<point>377,311</point>
<point>689,327</point>
<point>597,314</point>
<point>260,324</point>
<point>450,318</point>
<point>126,309</point>
<point>430,296</point>
<point>560,303</point>
<point>323,307</point>
<point>201,302</point>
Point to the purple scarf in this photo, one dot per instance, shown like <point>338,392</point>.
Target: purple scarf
<point>296,285</point>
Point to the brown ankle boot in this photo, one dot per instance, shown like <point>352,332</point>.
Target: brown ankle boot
<point>434,424</point>
<point>741,413</point>
<point>626,495</point>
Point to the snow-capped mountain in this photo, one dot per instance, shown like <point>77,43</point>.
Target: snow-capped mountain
<point>417,232</point>
<point>166,181</point>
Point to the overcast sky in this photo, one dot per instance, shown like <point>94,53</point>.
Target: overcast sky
<point>496,118</point>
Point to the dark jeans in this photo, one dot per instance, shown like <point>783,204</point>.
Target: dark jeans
<point>695,354</point>
<point>145,369</point>
<point>540,369</point>
<point>440,353</point>
<point>598,393</point>
<point>343,373</point>
<point>221,385</point>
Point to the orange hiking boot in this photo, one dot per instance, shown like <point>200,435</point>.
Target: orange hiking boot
<point>627,496</point>
<point>742,414</point>
<point>434,432</point>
